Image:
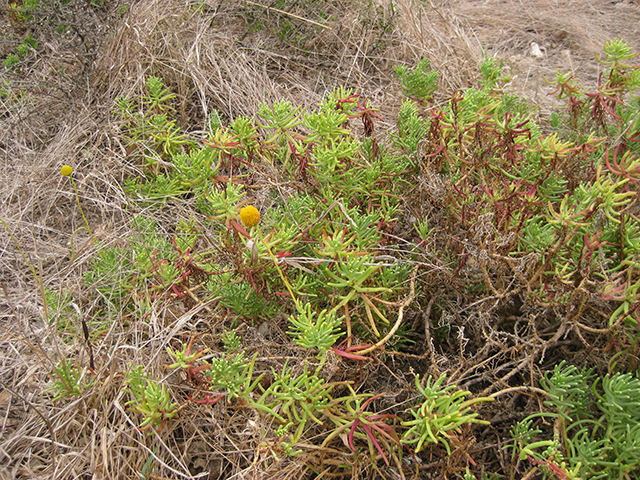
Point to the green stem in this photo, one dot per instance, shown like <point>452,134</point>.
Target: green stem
<point>81,211</point>
<point>275,262</point>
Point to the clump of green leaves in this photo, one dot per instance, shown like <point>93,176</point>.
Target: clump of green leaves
<point>443,412</point>
<point>148,127</point>
<point>233,373</point>
<point>68,381</point>
<point>150,398</point>
<point>598,426</point>
<point>23,11</point>
<point>28,45</point>
<point>420,82</point>
<point>184,359</point>
<point>491,71</point>
<point>11,59</point>
<point>231,340</point>
<point>315,330</point>
<point>296,399</point>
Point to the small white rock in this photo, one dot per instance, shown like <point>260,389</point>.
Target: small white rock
<point>536,51</point>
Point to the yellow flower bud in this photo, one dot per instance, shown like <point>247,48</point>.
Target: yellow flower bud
<point>249,216</point>
<point>66,170</point>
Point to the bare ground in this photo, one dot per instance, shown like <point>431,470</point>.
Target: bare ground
<point>227,56</point>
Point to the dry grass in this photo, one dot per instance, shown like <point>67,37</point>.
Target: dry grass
<point>225,56</point>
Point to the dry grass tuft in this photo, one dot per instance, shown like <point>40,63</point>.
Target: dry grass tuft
<point>224,56</point>
<point>439,34</point>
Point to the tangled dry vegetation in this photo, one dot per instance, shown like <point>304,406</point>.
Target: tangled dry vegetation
<point>475,320</point>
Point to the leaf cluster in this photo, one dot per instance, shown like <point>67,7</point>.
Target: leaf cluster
<point>598,426</point>
<point>151,399</point>
<point>68,380</point>
<point>443,412</point>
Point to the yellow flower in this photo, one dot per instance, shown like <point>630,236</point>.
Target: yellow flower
<point>66,170</point>
<point>249,216</point>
